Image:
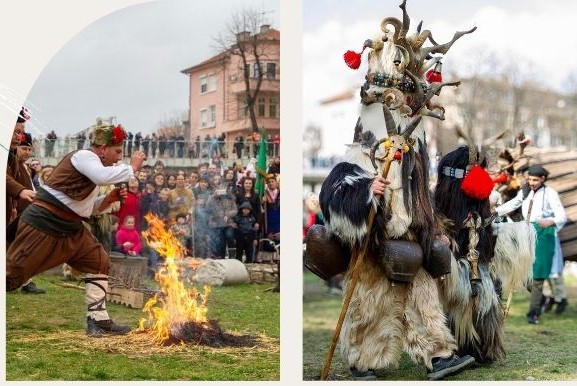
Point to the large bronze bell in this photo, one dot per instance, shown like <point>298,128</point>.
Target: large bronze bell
<point>325,255</point>
<point>401,259</point>
<point>439,262</point>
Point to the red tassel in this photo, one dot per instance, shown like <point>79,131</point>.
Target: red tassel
<point>501,178</point>
<point>477,184</point>
<point>353,59</point>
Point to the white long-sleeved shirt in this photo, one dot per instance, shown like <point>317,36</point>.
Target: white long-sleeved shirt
<point>89,164</point>
<point>546,206</point>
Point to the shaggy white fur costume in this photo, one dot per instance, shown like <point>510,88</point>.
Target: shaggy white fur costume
<point>383,318</point>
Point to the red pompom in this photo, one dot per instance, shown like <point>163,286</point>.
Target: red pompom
<point>477,184</point>
<point>352,59</point>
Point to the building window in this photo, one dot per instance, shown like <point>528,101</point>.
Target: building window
<point>207,83</point>
<point>273,109</point>
<point>271,71</point>
<point>261,105</point>
<point>242,108</point>
<point>256,68</point>
<point>208,117</point>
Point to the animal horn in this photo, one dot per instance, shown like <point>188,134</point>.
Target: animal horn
<point>389,121</point>
<point>395,23</point>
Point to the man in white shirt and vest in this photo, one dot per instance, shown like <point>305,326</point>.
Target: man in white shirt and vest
<point>542,207</point>
<point>51,230</point>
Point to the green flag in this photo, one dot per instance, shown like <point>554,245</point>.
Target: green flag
<point>261,166</point>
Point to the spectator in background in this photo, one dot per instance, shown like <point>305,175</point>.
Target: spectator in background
<point>221,209</point>
<point>271,201</point>
<point>159,208</point>
<point>181,229</point>
<point>153,144</point>
<point>129,143</point>
<point>171,181</point>
<point>269,145</point>
<point>80,139</point>
<point>146,144</point>
<point>229,181</point>
<point>159,182</point>
<point>49,143</point>
<point>245,228</point>
<point>137,140</point>
<point>206,147</point>
<point>159,167</point>
<point>148,170</point>
<point>180,200</point>
<point>193,179</point>
<point>215,181</point>
<point>35,167</point>
<point>276,141</point>
<point>213,146</point>
<point>221,147</point>
<point>238,146</point>
<point>247,193</point>
<point>114,224</point>
<point>128,237</point>
<point>201,229</point>
<point>197,143</point>
<point>274,167</point>
<point>130,204</point>
<point>162,142</point>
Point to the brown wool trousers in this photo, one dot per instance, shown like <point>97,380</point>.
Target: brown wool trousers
<point>34,252</point>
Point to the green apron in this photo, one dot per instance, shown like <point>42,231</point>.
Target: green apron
<point>544,252</point>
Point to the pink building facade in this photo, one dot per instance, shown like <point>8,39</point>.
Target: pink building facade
<point>217,93</point>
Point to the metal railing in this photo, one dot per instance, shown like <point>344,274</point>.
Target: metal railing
<point>58,148</point>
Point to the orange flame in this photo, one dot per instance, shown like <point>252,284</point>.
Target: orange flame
<point>177,305</point>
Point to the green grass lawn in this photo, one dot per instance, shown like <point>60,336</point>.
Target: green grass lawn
<point>45,339</point>
<point>547,351</point>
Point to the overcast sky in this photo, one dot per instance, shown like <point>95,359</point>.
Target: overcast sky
<point>128,64</point>
<point>539,35</point>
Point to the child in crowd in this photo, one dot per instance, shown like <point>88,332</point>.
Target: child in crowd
<point>246,227</point>
<point>128,238</point>
<point>114,223</point>
<point>182,231</point>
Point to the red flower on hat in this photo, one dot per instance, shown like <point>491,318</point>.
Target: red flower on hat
<point>117,135</point>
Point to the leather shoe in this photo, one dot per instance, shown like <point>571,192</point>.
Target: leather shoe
<point>31,288</point>
<point>561,306</point>
<point>452,365</point>
<point>97,328</point>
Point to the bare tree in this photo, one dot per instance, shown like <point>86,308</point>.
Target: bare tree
<point>243,37</point>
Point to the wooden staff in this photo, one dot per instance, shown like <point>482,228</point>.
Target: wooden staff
<point>358,259</point>
<point>510,295</point>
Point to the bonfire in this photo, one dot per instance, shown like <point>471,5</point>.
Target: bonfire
<point>177,311</point>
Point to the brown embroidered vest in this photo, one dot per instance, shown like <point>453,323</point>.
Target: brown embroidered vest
<point>66,179</point>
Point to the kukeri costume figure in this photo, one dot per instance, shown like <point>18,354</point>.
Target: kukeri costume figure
<point>472,291</point>
<point>51,231</point>
<point>392,310</point>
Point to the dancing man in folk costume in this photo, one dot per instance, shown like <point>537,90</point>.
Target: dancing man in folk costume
<point>471,293</point>
<point>51,230</point>
<point>394,303</point>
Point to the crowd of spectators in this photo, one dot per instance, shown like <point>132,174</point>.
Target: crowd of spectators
<point>214,211</point>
